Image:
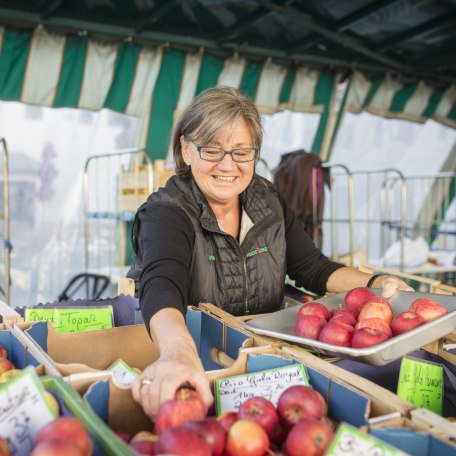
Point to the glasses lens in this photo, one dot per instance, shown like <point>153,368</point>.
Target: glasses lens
<point>243,155</point>
<point>211,153</point>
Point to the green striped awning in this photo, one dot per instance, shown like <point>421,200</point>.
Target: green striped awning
<point>156,84</point>
<point>153,84</point>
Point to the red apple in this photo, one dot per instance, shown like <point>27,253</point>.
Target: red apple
<point>379,299</point>
<point>227,419</point>
<point>260,411</point>
<point>373,309</point>
<point>346,318</point>
<point>5,365</point>
<point>310,438</point>
<point>309,326</point>
<point>366,337</point>
<point>213,433</point>
<point>299,403</point>
<point>3,352</point>
<point>427,309</point>
<point>187,406</point>
<point>405,321</point>
<point>342,311</point>
<point>375,323</point>
<point>314,308</point>
<point>356,297</point>
<point>57,448</point>
<point>336,334</point>
<point>66,428</point>
<point>246,438</point>
<point>4,447</point>
<point>145,446</point>
<point>183,441</point>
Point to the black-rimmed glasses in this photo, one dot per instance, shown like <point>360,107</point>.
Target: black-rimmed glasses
<point>216,154</point>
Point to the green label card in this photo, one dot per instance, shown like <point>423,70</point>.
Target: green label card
<point>231,392</point>
<point>73,319</point>
<point>349,441</point>
<point>123,374</point>
<point>421,383</point>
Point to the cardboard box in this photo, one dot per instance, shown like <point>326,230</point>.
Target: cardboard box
<point>218,344</point>
<point>117,408</point>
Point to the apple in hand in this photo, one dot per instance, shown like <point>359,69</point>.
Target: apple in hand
<point>260,411</point>
<point>356,298</point>
<point>314,308</point>
<point>374,309</point>
<point>366,337</point>
<point>183,441</point>
<point>375,323</point>
<point>246,438</point>
<point>212,431</point>
<point>310,438</point>
<point>69,429</point>
<point>405,321</point>
<point>309,326</point>
<point>336,334</point>
<point>187,406</point>
<point>427,309</point>
<point>227,419</point>
<point>298,403</point>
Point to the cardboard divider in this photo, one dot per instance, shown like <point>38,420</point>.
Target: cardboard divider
<point>417,435</point>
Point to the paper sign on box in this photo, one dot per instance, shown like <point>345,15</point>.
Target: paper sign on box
<point>231,392</point>
<point>23,411</point>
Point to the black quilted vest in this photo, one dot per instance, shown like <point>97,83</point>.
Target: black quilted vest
<point>241,279</point>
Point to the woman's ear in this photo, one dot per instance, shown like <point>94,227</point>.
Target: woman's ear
<point>185,149</point>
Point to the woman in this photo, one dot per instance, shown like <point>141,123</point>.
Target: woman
<point>218,233</point>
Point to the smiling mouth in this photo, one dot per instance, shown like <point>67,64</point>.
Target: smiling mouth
<point>225,178</point>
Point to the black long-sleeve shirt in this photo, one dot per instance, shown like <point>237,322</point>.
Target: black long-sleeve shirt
<point>166,241</point>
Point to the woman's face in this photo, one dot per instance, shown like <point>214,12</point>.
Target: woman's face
<point>222,182</point>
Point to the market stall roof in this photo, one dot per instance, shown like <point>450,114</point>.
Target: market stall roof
<point>410,37</point>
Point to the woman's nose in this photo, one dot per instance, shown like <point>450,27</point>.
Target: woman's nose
<point>227,162</point>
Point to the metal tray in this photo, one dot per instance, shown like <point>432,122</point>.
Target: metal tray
<point>280,324</point>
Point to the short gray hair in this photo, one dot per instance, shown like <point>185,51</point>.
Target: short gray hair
<point>212,113</point>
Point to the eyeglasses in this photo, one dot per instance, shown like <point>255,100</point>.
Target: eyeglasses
<point>216,154</point>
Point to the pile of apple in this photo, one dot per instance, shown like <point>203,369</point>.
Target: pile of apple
<point>298,426</point>
<point>363,320</point>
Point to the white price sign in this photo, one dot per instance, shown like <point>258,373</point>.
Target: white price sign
<point>23,411</point>
<point>231,392</point>
<point>349,441</point>
<point>123,374</point>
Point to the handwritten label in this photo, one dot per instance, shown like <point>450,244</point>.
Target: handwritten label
<point>421,383</point>
<point>23,411</point>
<point>231,392</point>
<point>351,441</point>
<point>123,374</point>
<point>73,319</point>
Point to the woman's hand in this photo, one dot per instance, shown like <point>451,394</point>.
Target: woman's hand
<point>160,380</point>
<point>391,284</point>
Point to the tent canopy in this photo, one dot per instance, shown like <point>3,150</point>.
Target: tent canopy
<point>412,37</point>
